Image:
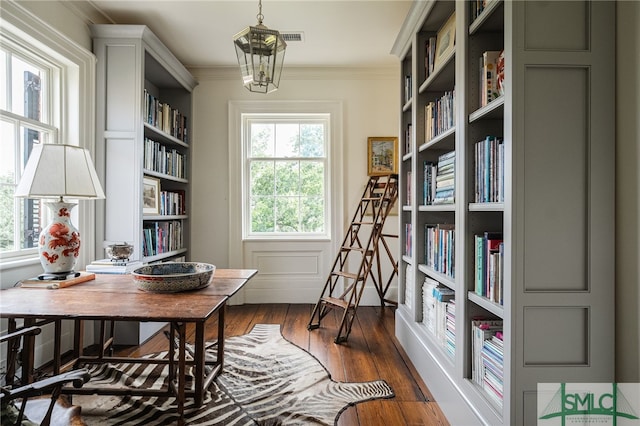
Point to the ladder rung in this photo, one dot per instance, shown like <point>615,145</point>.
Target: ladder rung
<point>356,248</point>
<point>350,275</point>
<point>336,302</point>
<point>362,223</point>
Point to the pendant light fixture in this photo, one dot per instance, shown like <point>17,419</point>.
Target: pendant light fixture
<point>260,54</point>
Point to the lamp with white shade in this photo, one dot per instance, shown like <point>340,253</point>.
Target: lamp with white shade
<point>55,171</point>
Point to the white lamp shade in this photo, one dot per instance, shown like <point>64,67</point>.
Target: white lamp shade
<point>56,170</point>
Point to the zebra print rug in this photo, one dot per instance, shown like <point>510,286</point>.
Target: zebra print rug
<point>266,380</point>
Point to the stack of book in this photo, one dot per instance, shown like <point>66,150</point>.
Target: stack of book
<point>450,328</point>
<point>44,282</point>
<point>438,313</point>
<point>429,304</point>
<point>443,296</point>
<point>107,266</point>
<point>408,287</point>
<point>445,179</point>
<point>488,358</point>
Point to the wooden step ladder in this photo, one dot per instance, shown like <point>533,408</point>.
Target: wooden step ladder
<point>360,253</point>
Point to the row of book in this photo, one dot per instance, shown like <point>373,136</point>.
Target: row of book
<point>430,56</point>
<point>488,358</point>
<point>477,6</point>
<point>408,89</point>
<point>162,116</point>
<point>491,76</point>
<point>159,158</point>
<point>172,202</point>
<point>408,240</point>
<point>440,115</point>
<point>440,248</point>
<point>408,139</point>
<point>489,170</point>
<point>409,187</point>
<point>439,180</point>
<point>438,313</point>
<point>161,237</point>
<point>489,266</point>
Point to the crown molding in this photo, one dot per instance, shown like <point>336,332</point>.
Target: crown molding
<point>303,73</point>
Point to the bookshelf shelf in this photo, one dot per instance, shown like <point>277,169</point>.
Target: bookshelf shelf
<point>514,152</point>
<point>445,140</point>
<point>493,110</point>
<point>442,77</point>
<point>490,19</point>
<point>486,207</point>
<point>487,304</point>
<point>160,136</point>
<point>165,176</point>
<point>450,207</point>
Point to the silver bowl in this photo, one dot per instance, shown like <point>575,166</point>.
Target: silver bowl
<point>173,277</point>
<point>119,251</point>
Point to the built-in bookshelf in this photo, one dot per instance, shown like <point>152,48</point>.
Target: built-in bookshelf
<point>144,113</point>
<point>497,275</point>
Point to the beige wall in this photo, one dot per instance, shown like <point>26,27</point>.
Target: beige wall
<point>628,192</point>
<point>370,103</point>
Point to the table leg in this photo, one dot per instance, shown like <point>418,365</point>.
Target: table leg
<point>172,351</point>
<point>57,346</point>
<point>199,361</point>
<point>182,364</point>
<point>11,360</point>
<point>28,353</point>
<point>220,354</point>
<point>78,338</point>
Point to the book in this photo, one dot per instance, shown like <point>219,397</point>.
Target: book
<point>488,76</point>
<point>101,267</point>
<point>109,262</point>
<point>56,284</point>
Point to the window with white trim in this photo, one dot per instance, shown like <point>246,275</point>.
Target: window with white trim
<point>25,120</point>
<point>47,95</point>
<point>286,175</point>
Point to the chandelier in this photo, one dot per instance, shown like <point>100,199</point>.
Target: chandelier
<point>260,54</point>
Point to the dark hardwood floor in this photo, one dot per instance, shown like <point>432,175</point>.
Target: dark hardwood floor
<point>371,353</point>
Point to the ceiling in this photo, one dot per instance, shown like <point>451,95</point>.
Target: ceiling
<point>336,33</point>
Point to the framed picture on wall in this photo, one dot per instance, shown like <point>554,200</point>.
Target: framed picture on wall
<point>382,157</point>
<point>446,40</point>
<point>150,195</point>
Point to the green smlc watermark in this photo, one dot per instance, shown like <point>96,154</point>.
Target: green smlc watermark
<point>616,404</point>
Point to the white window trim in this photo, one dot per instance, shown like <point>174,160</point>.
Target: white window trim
<point>236,195</point>
<point>76,112</point>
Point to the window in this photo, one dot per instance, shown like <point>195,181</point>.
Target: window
<point>47,95</point>
<point>24,121</point>
<point>286,175</point>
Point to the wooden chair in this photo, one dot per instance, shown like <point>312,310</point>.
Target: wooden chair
<point>48,386</point>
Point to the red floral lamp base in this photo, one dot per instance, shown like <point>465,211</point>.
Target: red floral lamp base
<point>59,243</point>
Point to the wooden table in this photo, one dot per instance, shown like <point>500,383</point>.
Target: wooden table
<point>116,298</point>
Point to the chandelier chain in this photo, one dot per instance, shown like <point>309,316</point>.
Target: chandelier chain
<point>260,16</point>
